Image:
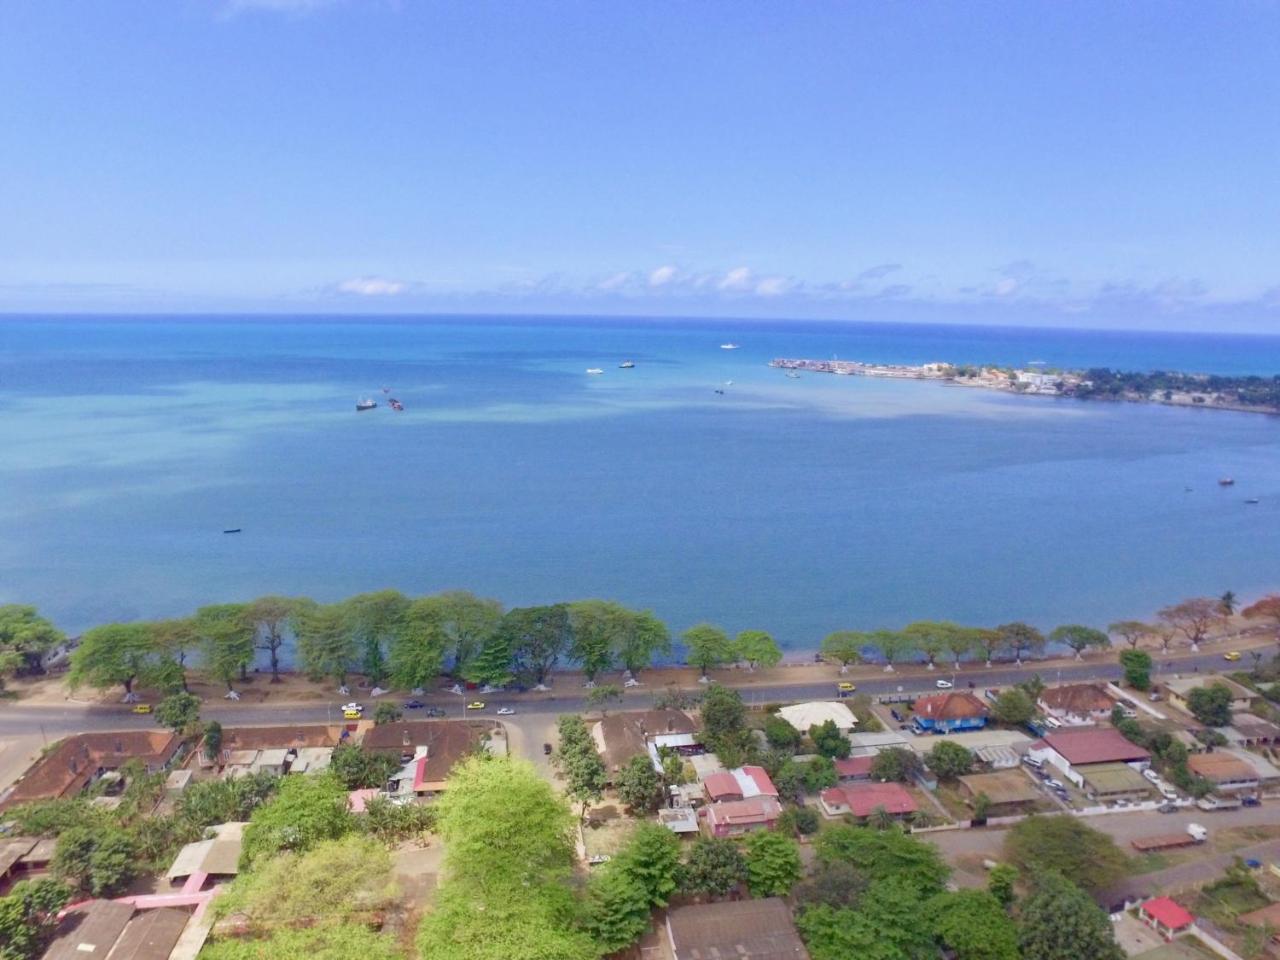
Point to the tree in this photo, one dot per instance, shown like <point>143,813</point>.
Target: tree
<point>880,819</point>
<point>1137,668</point>
<point>212,739</point>
<point>1192,618</point>
<point>387,712</point>
<point>120,654</point>
<point>598,627</point>
<point>359,769</point>
<point>991,642</point>
<point>272,618</point>
<point>99,860</point>
<point>180,712</point>
<point>537,638</point>
<point>973,924</point>
<point>836,884</point>
<point>961,641</point>
<point>818,774</point>
<point>931,637</point>
<point>981,807</point>
<point>28,917</point>
<point>949,760</point>
<point>304,812</point>
<point>644,637</point>
<point>1130,631</point>
<point>1013,707</point>
<point>895,763</point>
<point>374,619</point>
<point>891,646</point>
<point>467,621</point>
<point>505,922</point>
<point>25,639</point>
<point>1211,705</point>
<point>639,786</point>
<point>1267,609</point>
<point>1227,604</point>
<point>882,855</point>
<point>1002,883</point>
<point>176,639</point>
<point>1020,638</point>
<point>780,734</point>
<point>617,913</point>
<point>798,821</point>
<point>417,648</point>
<point>889,924</point>
<point>602,695</point>
<point>844,646</point>
<point>1060,922</point>
<point>757,648</point>
<point>226,640</point>
<point>326,646</point>
<point>1080,853</point>
<point>724,724</point>
<point>1079,638</point>
<point>715,867</point>
<point>773,863</point>
<point>579,762</point>
<point>652,858</point>
<point>828,740</point>
<point>708,646</point>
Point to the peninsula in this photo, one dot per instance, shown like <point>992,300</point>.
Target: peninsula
<point>1246,393</point>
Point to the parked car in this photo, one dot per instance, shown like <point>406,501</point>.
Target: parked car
<point>598,859</point>
<point>1155,696</point>
<point>142,708</point>
<point>546,749</point>
<point>1253,864</point>
<point>1055,784</point>
<point>1231,656</point>
<point>357,707</point>
<point>1151,775</point>
<point>506,711</point>
<point>475,705</point>
<point>1251,801</point>
<point>436,712</point>
<point>414,704</point>
<point>944,684</point>
<point>1168,808</point>
<point>1167,791</point>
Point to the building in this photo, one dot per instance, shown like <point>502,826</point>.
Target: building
<point>999,749</point>
<point>217,858</point>
<point>679,820</point>
<point>79,760</point>
<point>621,736</point>
<point>108,928</point>
<point>869,744</point>
<point>432,747</point>
<point>1246,730</point>
<point>1077,704</point>
<point>958,710</point>
<point>1228,772</point>
<point>1166,917</point>
<point>802,716</point>
<point>740,816</point>
<point>1266,919</point>
<point>1073,750</point>
<point>740,784</point>
<point>1008,791</point>
<point>1242,698</point>
<point>741,930</point>
<point>1114,781</point>
<point>854,768</point>
<point>862,799</point>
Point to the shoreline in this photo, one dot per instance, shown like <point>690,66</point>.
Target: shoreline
<point>1071,384</point>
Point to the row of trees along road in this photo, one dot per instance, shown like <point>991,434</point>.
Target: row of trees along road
<point>935,639</point>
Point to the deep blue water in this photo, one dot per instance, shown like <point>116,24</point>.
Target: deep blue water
<point>798,506</point>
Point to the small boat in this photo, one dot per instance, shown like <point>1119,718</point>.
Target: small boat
<point>232,530</point>
<point>365,404</point>
<point>594,371</point>
<point>1253,500</point>
<point>728,346</point>
<point>386,389</point>
<point>626,365</point>
<point>395,405</point>
<point>719,391</point>
<point>792,375</point>
<point>1226,482</point>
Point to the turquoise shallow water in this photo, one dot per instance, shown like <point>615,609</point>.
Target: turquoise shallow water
<point>799,506</point>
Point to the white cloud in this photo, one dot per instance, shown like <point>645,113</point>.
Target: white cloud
<point>739,278</point>
<point>373,287</point>
<point>1005,287</point>
<point>615,282</point>
<point>773,286</point>
<point>662,276</point>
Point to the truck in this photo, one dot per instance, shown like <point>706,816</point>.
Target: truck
<point>1217,803</point>
<point>1194,834</point>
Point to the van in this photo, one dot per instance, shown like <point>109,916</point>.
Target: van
<point>1034,763</point>
<point>350,714</point>
<point>1053,722</point>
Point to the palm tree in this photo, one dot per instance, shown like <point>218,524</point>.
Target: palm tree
<point>880,819</point>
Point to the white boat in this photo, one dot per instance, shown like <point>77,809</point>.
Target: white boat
<point>728,346</point>
<point>627,365</point>
<point>594,371</point>
<point>365,404</point>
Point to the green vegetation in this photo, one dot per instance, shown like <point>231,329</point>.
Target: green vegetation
<point>708,646</point>
<point>1137,668</point>
<point>25,639</point>
<point>304,812</point>
<point>1079,638</point>
<point>758,648</point>
<point>1013,707</point>
<point>358,768</point>
<point>896,763</point>
<point>180,712</point>
<point>1249,391</point>
<point>387,712</point>
<point>973,924</point>
<point>828,741</point>
<point>1060,922</point>
<point>949,760</point>
<point>1211,705</point>
<point>714,867</point>
<point>1020,639</point>
<point>773,863</point>
<point>98,860</point>
<point>578,761</point>
<point>724,725</point>
<point>337,942</point>
<point>639,786</point>
<point>28,916</point>
<point>1084,856</point>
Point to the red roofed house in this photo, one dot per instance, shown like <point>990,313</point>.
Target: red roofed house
<point>1071,751</point>
<point>861,800</point>
<point>1077,704</point>
<point>958,710</point>
<point>854,768</point>
<point>740,816</point>
<point>740,784</point>
<point>1166,917</point>
<point>81,759</point>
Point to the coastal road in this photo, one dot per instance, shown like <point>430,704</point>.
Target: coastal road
<point>51,721</point>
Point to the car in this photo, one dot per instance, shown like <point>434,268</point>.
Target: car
<point>844,686</point>
<point>944,684</point>
<point>414,704</point>
<point>598,859</point>
<point>1231,656</point>
<point>436,712</point>
<point>1055,784</point>
<point>142,708</point>
<point>1251,801</point>
<point>1155,696</point>
<point>1167,791</point>
<point>546,749</point>
<point>1151,775</point>
<point>1253,864</point>
<point>351,714</point>
<point>506,711</point>
<point>357,707</point>
<point>631,682</point>
<point>1167,808</point>
<point>475,705</point>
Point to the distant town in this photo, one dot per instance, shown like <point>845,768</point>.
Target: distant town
<point>1247,393</point>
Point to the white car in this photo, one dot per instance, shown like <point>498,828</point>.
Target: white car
<point>1167,791</point>
<point>506,711</point>
<point>357,707</point>
<point>1151,775</point>
<point>1055,784</point>
<point>944,684</point>
<point>631,682</point>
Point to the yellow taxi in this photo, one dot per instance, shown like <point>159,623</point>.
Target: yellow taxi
<point>142,708</point>
<point>1232,656</point>
<point>845,686</point>
<point>475,705</point>
<point>351,714</point>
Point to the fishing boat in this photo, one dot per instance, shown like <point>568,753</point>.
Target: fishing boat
<point>728,346</point>
<point>792,375</point>
<point>1253,500</point>
<point>232,530</point>
<point>396,405</point>
<point>626,365</point>
<point>366,404</point>
<point>594,371</point>
<point>1226,482</point>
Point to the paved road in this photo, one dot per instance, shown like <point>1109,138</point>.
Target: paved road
<point>57,720</point>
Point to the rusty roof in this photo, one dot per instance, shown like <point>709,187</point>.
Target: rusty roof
<point>279,737</point>
<point>446,742</point>
<point>741,930</point>
<point>621,736</point>
<point>88,932</point>
<point>72,763</point>
<point>956,705</point>
<point>1077,698</point>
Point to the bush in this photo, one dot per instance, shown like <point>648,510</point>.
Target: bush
<point>948,760</point>
<point>1083,855</point>
<point>798,820</point>
<point>780,734</point>
<point>896,764</point>
<point>829,741</point>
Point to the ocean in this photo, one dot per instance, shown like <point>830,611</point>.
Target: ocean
<point>797,506</point>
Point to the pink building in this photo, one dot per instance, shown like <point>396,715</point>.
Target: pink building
<point>737,817</point>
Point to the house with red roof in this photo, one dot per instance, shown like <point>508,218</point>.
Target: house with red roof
<point>1075,751</point>
<point>957,710</point>
<point>736,817</point>
<point>854,768</point>
<point>740,784</point>
<point>862,799</point>
<point>1166,917</point>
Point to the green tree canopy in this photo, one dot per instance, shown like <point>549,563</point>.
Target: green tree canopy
<point>305,811</point>
<point>1060,922</point>
<point>99,860</point>
<point>1020,639</point>
<point>715,867</point>
<point>829,741</point>
<point>176,639</point>
<point>948,760</point>
<point>1083,855</point>
<point>896,763</point>
<point>598,627</point>
<point>120,654</point>
<point>1137,668</point>
<point>1014,707</point>
<point>226,640</point>
<point>25,639</point>
<point>617,912</point>
<point>537,638</point>
<point>28,917</point>
<point>1079,638</point>
<point>644,638</point>
<point>359,768</point>
<point>327,648</point>
<point>893,646</point>
<point>1130,631</point>
<point>845,647</point>
<point>708,646</point>
<point>973,924</point>
<point>652,858</point>
<point>758,648</point>
<point>273,620</point>
<point>374,620</point>
<point>1211,705</point>
<point>639,785</point>
<point>338,942</point>
<point>180,712</point>
<point>932,637</point>
<point>889,924</point>
<point>416,650</point>
<point>884,854</point>
<point>773,863</point>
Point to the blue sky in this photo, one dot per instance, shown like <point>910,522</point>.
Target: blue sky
<point>1088,164</point>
